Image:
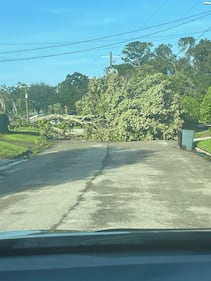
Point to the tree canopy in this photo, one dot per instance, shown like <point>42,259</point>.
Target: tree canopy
<point>143,107</point>
<point>205,108</point>
<point>71,90</point>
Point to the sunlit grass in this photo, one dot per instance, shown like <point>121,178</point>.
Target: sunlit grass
<point>28,129</point>
<point>10,150</point>
<point>19,137</point>
<point>21,141</point>
<point>205,145</point>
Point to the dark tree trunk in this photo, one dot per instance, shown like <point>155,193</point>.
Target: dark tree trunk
<point>4,122</point>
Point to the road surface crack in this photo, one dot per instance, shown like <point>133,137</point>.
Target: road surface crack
<point>87,187</point>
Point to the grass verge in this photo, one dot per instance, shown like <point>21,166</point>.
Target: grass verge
<point>23,141</point>
<point>10,150</point>
<point>205,145</point>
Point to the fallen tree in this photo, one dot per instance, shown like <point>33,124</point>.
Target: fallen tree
<point>142,107</point>
<point>61,125</point>
<point>59,117</point>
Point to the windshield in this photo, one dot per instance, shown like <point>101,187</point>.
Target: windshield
<point>105,115</point>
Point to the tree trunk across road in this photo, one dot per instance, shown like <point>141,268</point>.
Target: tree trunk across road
<point>91,186</point>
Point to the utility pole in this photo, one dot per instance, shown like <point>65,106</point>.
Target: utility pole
<point>111,61</point>
<point>25,89</point>
<point>111,69</point>
<point>27,106</point>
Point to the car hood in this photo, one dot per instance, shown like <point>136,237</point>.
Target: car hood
<point>28,241</point>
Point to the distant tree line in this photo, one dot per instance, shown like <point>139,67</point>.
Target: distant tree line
<point>43,98</point>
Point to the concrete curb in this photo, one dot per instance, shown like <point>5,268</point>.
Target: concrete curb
<point>199,150</point>
<point>201,139</point>
<point>202,151</point>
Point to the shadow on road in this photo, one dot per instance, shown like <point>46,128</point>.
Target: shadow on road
<point>67,166</point>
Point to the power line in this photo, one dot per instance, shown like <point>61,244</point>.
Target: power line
<point>203,32</point>
<point>195,17</point>
<point>156,11</point>
<point>161,37</point>
<point>104,46</point>
<point>80,51</point>
<point>191,8</point>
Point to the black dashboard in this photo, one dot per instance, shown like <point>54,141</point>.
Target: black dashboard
<point>143,255</point>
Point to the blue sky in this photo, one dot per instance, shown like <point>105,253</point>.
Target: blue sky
<point>49,28</point>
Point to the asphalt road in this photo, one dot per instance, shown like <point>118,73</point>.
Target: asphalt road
<point>90,186</point>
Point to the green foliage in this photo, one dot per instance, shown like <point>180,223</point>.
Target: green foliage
<point>124,69</point>
<point>44,126</point>
<point>201,54</point>
<point>15,104</point>
<point>137,53</point>
<point>158,107</point>
<point>20,121</point>
<point>185,61</point>
<point>143,107</point>
<point>40,96</point>
<point>43,98</point>
<point>55,109</point>
<point>164,60</point>
<point>72,89</point>
<point>205,107</point>
<point>191,113</point>
<point>64,125</point>
<point>57,126</point>
<point>186,44</point>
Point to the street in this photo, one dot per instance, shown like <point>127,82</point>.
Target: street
<point>85,186</point>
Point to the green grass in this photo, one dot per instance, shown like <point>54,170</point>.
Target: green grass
<point>10,150</point>
<point>205,145</point>
<point>21,141</point>
<point>28,130</point>
<point>19,137</point>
